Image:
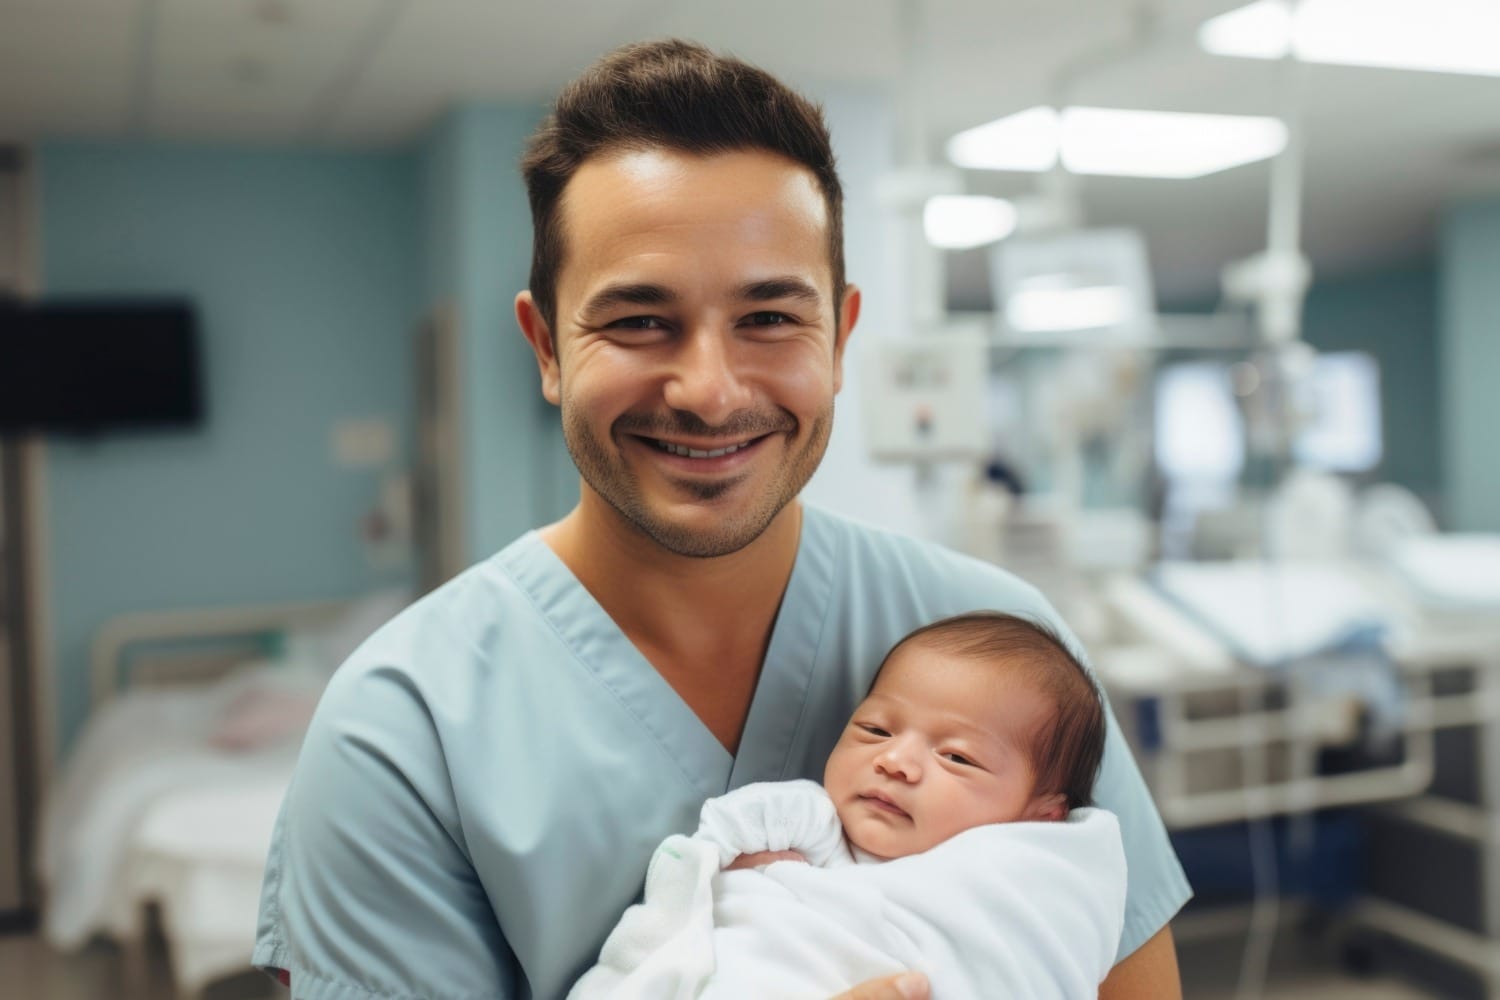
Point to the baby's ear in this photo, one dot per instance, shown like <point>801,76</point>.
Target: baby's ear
<point>1047,808</point>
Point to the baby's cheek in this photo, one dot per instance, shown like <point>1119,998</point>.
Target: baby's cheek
<point>861,837</point>
<point>847,819</point>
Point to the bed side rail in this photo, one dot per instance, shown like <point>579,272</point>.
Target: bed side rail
<point>191,644</point>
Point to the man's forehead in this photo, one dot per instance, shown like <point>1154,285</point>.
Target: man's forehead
<point>633,207</point>
<point>748,172</point>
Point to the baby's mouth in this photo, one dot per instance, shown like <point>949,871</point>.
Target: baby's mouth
<point>884,804</point>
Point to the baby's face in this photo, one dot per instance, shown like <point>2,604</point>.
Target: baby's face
<point>939,746</point>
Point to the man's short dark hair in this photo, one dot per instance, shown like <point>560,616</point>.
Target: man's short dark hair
<point>675,95</point>
<point>1067,747</point>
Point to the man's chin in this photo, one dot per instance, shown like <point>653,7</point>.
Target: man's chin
<point>709,491</point>
<point>701,491</point>
<point>700,517</point>
<point>702,528</point>
<point>692,538</point>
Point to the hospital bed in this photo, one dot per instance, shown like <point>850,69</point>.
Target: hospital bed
<point>1229,725</point>
<point>163,812</point>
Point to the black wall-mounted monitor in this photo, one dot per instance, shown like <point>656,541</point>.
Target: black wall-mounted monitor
<point>88,366</point>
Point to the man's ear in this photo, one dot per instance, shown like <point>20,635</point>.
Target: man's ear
<point>1047,808</point>
<point>848,316</point>
<point>534,328</point>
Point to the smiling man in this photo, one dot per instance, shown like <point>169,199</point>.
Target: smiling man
<point>698,439</point>
<point>488,776</point>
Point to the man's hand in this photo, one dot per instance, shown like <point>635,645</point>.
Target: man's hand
<point>905,986</point>
<point>760,858</point>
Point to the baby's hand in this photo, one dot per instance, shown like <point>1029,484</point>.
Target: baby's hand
<point>762,858</point>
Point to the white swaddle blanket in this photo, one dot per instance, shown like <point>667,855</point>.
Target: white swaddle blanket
<point>1015,910</point>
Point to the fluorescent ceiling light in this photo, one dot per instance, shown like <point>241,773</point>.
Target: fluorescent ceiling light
<point>1164,143</point>
<point>1261,30</point>
<point>1053,303</point>
<point>1118,142</point>
<point>959,221</point>
<point>1443,36</point>
<point>1026,140</point>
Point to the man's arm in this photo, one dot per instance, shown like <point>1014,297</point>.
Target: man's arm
<point>1148,973</point>
<point>369,892</point>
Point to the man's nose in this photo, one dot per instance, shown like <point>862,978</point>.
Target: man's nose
<point>705,380</point>
<point>901,760</point>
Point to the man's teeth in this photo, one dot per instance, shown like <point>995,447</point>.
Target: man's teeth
<point>678,449</point>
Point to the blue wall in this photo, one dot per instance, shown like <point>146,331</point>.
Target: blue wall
<point>478,250</point>
<point>1470,364</point>
<point>1393,315</point>
<point>306,268</point>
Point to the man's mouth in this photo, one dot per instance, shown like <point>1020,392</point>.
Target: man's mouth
<point>688,452</point>
<point>704,454</point>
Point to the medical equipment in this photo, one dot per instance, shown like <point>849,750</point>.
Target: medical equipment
<point>1232,679</point>
<point>1340,427</point>
<point>1236,678</point>
<point>928,390</point>
<point>1090,283</point>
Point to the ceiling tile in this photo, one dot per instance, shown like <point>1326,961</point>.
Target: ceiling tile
<point>1384,147</point>
<point>439,52</point>
<point>66,66</point>
<point>838,41</point>
<point>251,69</point>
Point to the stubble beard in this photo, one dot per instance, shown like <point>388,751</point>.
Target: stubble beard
<point>605,471</point>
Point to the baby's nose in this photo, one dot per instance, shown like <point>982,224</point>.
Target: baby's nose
<point>896,762</point>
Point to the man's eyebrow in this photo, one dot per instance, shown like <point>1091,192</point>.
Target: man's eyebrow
<point>629,294</point>
<point>780,288</point>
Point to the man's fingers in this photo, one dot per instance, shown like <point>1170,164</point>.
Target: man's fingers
<point>762,858</point>
<point>906,986</point>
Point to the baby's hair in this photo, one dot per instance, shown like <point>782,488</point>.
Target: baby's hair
<point>1067,747</point>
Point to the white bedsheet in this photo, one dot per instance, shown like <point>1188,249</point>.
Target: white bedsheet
<point>1454,572</point>
<point>1029,910</point>
<point>170,796</point>
<point>146,798</point>
<point>200,852</point>
<point>1270,614</point>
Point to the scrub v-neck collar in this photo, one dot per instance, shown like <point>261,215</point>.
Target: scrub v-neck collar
<point>777,707</point>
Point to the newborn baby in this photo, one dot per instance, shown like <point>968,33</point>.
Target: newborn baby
<point>952,834</point>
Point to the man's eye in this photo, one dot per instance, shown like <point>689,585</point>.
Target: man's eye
<point>767,319</point>
<point>873,730</point>
<point>637,323</point>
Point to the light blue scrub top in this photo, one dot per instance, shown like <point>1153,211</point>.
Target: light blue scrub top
<point>487,777</point>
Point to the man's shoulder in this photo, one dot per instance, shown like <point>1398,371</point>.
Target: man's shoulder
<point>443,639</point>
<point>881,558</point>
<point>885,584</point>
<point>469,603</point>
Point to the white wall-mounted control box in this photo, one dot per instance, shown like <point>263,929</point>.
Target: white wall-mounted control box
<point>923,397</point>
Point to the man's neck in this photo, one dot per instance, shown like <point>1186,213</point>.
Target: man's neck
<point>643,586</point>
<point>703,623</point>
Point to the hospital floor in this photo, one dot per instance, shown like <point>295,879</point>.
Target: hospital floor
<point>1212,974</point>
<point>1305,964</point>
<point>29,970</point>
